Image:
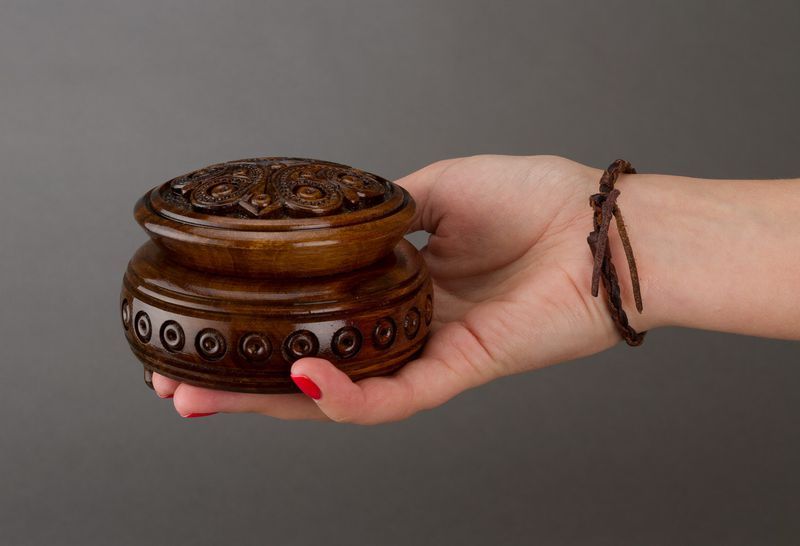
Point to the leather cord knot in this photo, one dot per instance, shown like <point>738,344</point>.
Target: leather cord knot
<point>605,207</point>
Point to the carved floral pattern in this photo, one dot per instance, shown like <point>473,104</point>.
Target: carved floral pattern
<point>275,187</point>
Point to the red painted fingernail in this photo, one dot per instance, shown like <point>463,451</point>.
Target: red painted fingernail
<point>192,415</point>
<point>308,387</point>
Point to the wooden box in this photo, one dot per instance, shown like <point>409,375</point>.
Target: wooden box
<point>255,263</point>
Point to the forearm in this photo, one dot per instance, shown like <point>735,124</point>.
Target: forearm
<point>714,254</point>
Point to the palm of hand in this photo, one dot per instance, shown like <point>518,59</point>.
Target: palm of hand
<point>510,263</point>
<point>510,266</point>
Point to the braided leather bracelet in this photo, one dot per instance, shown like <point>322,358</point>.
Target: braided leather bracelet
<point>605,206</point>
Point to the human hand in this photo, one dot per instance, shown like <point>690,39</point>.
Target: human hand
<point>511,270</point>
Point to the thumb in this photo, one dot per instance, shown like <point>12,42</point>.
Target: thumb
<point>419,185</point>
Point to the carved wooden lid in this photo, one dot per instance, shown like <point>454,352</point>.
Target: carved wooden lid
<point>276,216</point>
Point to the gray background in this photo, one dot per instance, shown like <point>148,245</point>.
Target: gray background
<point>690,439</point>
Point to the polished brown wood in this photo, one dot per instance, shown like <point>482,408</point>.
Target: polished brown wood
<point>258,262</point>
<point>276,216</point>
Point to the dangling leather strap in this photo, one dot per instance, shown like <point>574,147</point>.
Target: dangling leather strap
<point>605,206</point>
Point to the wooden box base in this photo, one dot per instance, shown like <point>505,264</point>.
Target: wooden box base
<point>243,333</point>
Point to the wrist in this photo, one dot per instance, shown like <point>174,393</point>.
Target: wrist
<point>714,254</point>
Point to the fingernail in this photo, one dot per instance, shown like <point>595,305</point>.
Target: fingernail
<point>193,415</point>
<point>308,387</point>
<point>167,396</point>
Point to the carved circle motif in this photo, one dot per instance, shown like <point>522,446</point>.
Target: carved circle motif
<point>126,314</point>
<point>172,336</point>
<point>346,342</point>
<point>384,333</point>
<point>261,187</point>
<point>364,184</point>
<point>255,348</point>
<point>223,188</point>
<point>143,327</point>
<point>411,323</point>
<point>260,200</point>
<point>302,192</point>
<point>428,309</point>
<point>210,344</point>
<point>299,344</point>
